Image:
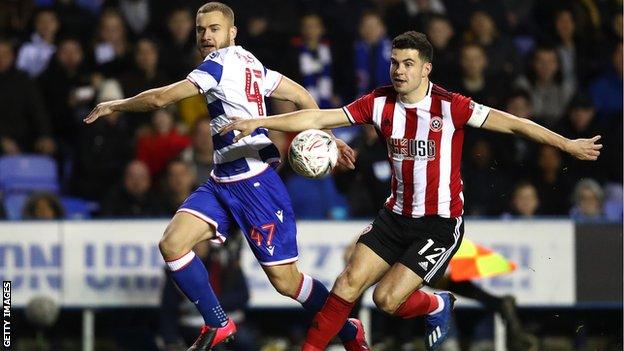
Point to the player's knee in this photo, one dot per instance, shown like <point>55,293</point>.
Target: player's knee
<point>385,301</point>
<point>170,247</point>
<point>349,285</point>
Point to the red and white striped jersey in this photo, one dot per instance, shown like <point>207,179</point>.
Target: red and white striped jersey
<point>424,146</point>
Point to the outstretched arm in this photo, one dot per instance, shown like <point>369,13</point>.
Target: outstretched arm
<point>148,100</point>
<point>290,122</point>
<point>503,122</point>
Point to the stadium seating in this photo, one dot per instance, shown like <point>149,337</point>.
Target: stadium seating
<point>23,174</point>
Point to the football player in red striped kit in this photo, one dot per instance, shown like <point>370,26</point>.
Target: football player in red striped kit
<point>415,234</point>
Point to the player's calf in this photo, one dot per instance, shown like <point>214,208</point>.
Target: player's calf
<point>286,279</point>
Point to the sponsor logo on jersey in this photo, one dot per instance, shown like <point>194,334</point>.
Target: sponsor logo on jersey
<point>412,149</point>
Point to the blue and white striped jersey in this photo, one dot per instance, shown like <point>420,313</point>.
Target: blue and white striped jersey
<point>235,83</point>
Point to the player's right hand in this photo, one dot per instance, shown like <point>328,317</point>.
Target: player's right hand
<point>584,149</point>
<point>244,126</point>
<point>102,109</point>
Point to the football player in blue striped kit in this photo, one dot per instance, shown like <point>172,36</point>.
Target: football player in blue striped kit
<point>244,190</point>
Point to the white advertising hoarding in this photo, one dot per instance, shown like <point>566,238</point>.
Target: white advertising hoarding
<point>31,258</point>
<point>117,263</point>
<point>112,263</point>
<point>542,250</point>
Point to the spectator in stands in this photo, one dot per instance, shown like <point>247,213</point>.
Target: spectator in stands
<point>266,44</point>
<point>460,11</point>
<point>180,182</point>
<point>367,187</point>
<point>66,86</point>
<point>440,32</point>
<point>614,29</point>
<point>315,61</point>
<point>550,92</point>
<point>134,197</point>
<point>486,185</point>
<point>500,52</point>
<point>588,200</point>
<point>144,75</point>
<point>14,17</point>
<point>179,57</point>
<point>137,15</point>
<point>473,79</point>
<point>372,59</point>
<point>524,201</point>
<point>162,143</point>
<point>112,50</point>
<point>200,153</point>
<point>606,91</point>
<point>551,181</point>
<point>580,122</point>
<point>179,319</point>
<point>411,15</point>
<point>521,23</point>
<point>24,124</point>
<point>103,149</point>
<point>614,202</point>
<point>75,19</point>
<point>45,206</point>
<point>315,198</point>
<point>33,56</point>
<point>571,47</point>
<point>516,154</point>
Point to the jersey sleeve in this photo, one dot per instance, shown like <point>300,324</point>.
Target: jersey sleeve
<point>360,111</point>
<point>270,82</point>
<point>464,111</point>
<point>207,75</point>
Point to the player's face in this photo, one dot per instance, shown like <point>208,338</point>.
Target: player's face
<point>214,31</point>
<point>407,70</point>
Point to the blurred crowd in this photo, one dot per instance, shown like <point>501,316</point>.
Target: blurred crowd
<point>558,62</point>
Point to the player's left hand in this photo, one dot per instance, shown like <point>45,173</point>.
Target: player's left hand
<point>584,149</point>
<point>244,126</point>
<point>102,109</point>
<point>346,156</point>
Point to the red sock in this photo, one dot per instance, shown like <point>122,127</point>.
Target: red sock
<point>417,304</point>
<point>327,323</point>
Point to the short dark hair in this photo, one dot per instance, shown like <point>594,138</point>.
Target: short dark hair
<point>218,6</point>
<point>414,40</point>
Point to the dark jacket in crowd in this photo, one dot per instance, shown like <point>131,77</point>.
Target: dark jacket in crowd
<point>23,116</point>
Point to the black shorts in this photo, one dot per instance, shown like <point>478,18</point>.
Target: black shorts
<point>425,245</point>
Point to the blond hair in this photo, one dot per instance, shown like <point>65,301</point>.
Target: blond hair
<point>218,6</point>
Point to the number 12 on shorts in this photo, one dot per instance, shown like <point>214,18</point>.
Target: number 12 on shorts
<point>434,256</point>
<point>258,234</point>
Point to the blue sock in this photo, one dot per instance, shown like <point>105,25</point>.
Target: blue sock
<point>312,296</point>
<point>191,276</point>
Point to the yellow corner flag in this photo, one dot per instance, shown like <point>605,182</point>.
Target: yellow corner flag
<point>474,261</point>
